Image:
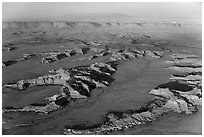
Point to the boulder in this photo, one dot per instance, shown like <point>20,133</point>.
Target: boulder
<point>172,105</point>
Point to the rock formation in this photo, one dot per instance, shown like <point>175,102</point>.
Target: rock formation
<point>131,54</point>
<point>5,48</point>
<point>95,24</point>
<point>186,63</point>
<point>173,96</point>
<point>76,83</point>
<point>25,57</point>
<point>124,54</point>
<point>52,56</point>
<point>164,102</point>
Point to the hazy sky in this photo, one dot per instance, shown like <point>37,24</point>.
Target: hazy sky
<point>13,11</point>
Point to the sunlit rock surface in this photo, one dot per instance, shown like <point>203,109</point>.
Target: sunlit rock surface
<point>183,56</point>
<point>165,101</point>
<point>5,48</point>
<point>173,96</point>
<point>77,83</point>
<point>186,63</point>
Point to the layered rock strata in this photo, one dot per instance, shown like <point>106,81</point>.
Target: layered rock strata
<point>124,54</point>
<point>181,95</point>
<point>189,65</point>
<point>165,101</point>
<point>76,83</point>
<point>51,104</point>
<point>53,56</point>
<point>178,96</point>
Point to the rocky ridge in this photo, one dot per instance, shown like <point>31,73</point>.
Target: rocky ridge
<point>174,96</point>
<point>26,56</point>
<point>76,83</point>
<point>181,95</point>
<point>93,46</point>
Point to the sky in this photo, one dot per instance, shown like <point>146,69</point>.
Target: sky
<point>50,10</point>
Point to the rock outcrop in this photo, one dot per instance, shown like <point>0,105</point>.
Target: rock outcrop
<point>186,63</point>
<point>57,79</point>
<point>154,54</point>
<point>123,54</point>
<point>95,24</point>
<point>55,56</point>
<point>183,56</point>
<point>53,103</point>
<point>190,66</point>
<point>14,61</point>
<point>174,96</point>
<point>185,69</point>
<point>164,102</point>
<point>182,94</point>
<point>76,83</point>
<point>5,48</point>
<point>102,54</point>
<point>116,55</point>
<point>131,54</point>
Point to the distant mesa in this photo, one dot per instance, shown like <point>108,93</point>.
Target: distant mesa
<point>71,24</point>
<point>139,24</point>
<point>108,23</point>
<point>95,24</point>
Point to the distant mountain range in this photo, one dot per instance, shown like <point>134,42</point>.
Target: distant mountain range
<point>76,17</point>
<point>96,16</point>
<point>103,16</point>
